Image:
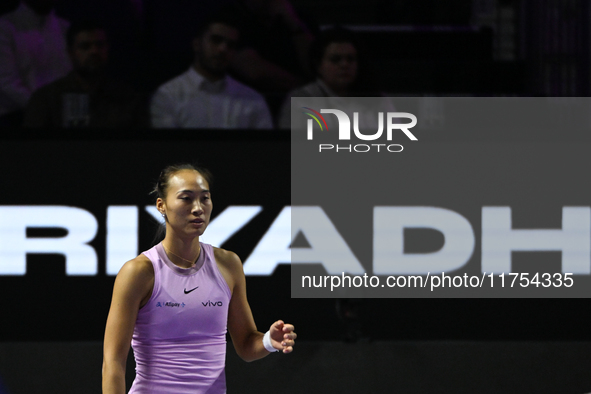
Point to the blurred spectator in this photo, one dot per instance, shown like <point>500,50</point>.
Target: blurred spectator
<point>32,54</point>
<point>205,96</point>
<point>171,27</point>
<point>171,23</point>
<point>125,23</point>
<point>334,58</point>
<point>86,97</point>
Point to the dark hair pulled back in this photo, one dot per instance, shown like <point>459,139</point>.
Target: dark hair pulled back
<point>161,186</point>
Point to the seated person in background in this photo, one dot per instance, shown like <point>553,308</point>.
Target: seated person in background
<point>86,97</point>
<point>205,96</point>
<point>32,54</point>
<point>334,59</point>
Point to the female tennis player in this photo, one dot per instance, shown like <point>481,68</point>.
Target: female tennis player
<point>175,302</point>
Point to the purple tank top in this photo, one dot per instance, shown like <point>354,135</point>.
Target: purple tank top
<point>179,339</point>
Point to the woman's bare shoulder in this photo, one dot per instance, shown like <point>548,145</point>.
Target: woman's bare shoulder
<point>227,259</point>
<point>138,268</point>
<point>135,281</point>
<point>230,266</point>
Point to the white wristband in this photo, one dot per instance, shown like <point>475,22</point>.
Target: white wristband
<point>267,342</point>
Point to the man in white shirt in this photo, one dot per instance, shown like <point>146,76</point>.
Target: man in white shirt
<point>205,96</point>
<point>32,52</point>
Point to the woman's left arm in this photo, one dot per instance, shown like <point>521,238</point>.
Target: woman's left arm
<point>248,341</point>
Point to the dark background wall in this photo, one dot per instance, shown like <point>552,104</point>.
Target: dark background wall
<point>333,367</point>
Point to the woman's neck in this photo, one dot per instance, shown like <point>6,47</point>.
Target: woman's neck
<point>182,253</point>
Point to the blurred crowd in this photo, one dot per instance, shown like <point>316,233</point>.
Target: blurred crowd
<point>230,64</point>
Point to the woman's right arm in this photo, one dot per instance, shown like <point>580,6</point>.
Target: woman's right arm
<point>133,288</point>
